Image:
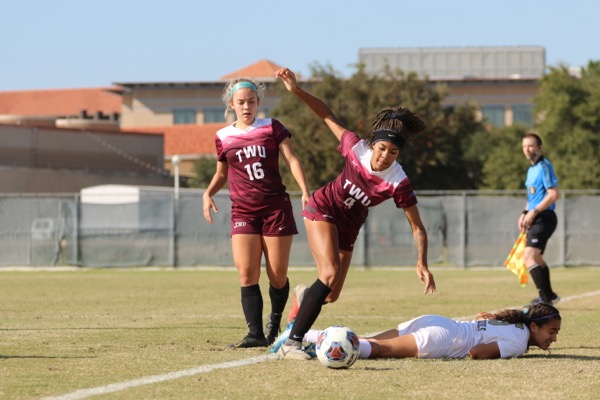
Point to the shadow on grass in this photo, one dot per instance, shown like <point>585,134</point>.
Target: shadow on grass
<point>42,357</point>
<point>378,369</point>
<point>100,328</point>
<point>564,357</point>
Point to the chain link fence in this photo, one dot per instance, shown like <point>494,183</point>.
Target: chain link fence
<point>152,226</point>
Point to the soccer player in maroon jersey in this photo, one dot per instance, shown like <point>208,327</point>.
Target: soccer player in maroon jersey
<point>262,221</point>
<point>335,212</point>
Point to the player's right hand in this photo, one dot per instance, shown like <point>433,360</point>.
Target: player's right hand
<point>288,78</point>
<point>209,204</point>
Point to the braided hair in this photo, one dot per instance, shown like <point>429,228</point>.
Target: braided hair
<point>400,120</point>
<point>539,314</point>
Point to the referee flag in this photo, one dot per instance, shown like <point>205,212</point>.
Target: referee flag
<point>514,261</point>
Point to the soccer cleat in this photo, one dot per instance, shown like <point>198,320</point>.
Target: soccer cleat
<point>273,328</point>
<point>299,292</point>
<point>250,341</point>
<point>311,350</point>
<point>281,338</point>
<point>539,300</point>
<point>292,351</point>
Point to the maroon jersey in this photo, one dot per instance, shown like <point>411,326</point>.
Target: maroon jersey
<point>252,155</point>
<point>346,200</point>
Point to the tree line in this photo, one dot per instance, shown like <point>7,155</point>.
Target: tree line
<point>457,151</point>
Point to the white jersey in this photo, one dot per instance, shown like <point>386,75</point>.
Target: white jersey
<point>441,337</point>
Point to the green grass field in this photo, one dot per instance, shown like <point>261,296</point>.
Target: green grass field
<point>63,332</point>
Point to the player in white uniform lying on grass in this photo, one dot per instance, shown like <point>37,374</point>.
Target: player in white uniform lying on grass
<point>505,334</point>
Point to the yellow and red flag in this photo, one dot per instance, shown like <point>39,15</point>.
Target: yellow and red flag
<point>514,261</point>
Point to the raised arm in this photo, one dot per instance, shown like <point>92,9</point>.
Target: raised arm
<point>315,104</point>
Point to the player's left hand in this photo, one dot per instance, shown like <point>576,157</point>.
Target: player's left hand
<point>426,277</point>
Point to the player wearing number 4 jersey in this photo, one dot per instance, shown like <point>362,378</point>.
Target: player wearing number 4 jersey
<point>336,211</point>
<point>262,222</point>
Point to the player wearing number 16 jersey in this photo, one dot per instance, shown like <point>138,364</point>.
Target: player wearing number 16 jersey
<point>252,154</point>
<point>336,211</point>
<point>262,221</point>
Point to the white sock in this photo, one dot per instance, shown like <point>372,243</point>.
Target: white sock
<point>312,335</point>
<point>364,350</point>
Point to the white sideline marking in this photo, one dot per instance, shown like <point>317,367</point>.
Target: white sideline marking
<point>116,387</point>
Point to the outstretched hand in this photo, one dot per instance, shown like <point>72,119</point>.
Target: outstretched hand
<point>288,78</point>
<point>426,277</point>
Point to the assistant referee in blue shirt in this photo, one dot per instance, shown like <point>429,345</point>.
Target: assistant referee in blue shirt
<point>539,219</point>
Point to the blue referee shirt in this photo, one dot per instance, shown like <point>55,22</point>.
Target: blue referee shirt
<point>540,177</point>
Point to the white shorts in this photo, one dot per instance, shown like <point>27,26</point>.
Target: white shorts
<point>436,336</point>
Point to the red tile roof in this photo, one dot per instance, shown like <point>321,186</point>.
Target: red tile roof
<point>185,139</point>
<point>261,69</point>
<point>60,102</point>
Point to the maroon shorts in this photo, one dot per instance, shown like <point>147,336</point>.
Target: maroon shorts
<point>280,222</point>
<point>347,234</point>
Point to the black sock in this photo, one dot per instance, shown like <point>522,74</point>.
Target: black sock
<point>541,283</point>
<point>252,304</point>
<point>313,301</point>
<point>279,298</point>
<point>546,275</point>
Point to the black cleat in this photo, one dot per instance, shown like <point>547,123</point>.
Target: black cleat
<point>273,328</point>
<point>250,341</point>
<point>539,300</point>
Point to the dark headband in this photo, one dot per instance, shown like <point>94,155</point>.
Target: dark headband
<point>546,316</point>
<point>389,136</point>
<point>393,115</point>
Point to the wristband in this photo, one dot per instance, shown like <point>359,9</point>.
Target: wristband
<point>525,212</point>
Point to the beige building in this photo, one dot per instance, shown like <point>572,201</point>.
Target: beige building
<point>501,102</point>
<point>56,141</point>
<point>501,81</point>
<point>196,103</point>
<point>188,113</point>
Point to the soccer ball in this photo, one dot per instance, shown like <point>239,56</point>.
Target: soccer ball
<point>337,347</point>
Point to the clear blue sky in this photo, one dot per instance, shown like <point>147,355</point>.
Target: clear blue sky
<point>50,44</point>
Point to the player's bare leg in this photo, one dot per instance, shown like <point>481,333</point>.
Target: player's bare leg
<point>277,255</point>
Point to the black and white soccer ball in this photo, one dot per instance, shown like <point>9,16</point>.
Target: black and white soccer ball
<point>337,347</point>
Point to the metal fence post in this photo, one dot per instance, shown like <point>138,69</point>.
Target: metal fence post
<point>463,244</point>
<point>562,232</point>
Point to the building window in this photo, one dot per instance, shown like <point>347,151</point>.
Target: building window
<point>184,116</point>
<point>213,115</point>
<point>493,115</point>
<point>523,114</point>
